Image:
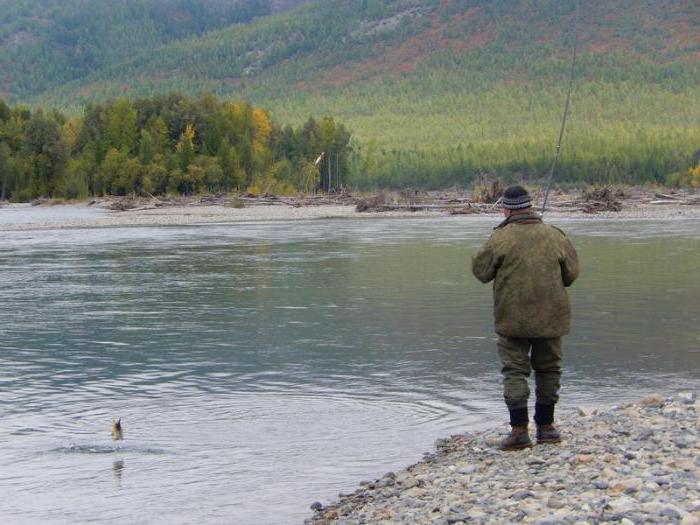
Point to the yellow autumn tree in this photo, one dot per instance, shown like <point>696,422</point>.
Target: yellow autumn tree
<point>263,127</point>
<point>185,147</point>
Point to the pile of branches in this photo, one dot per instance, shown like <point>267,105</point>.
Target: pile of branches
<point>602,198</point>
<point>487,191</point>
<point>122,205</point>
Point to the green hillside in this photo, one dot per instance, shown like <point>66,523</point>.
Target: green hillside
<point>437,91</point>
<point>46,43</point>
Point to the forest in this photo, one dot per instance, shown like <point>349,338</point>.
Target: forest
<point>176,144</point>
<point>170,144</point>
<point>435,93</point>
<point>46,43</point>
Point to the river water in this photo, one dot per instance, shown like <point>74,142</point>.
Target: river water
<point>260,367</point>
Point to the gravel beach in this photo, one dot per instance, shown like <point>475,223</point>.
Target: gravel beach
<point>15,217</point>
<point>627,464</point>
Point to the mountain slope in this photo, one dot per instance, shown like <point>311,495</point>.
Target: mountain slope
<point>438,87</point>
<point>336,43</point>
<point>45,43</point>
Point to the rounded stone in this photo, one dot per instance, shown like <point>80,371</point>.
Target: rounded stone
<point>653,400</point>
<point>671,513</point>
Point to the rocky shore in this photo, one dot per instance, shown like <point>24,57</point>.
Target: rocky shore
<point>627,464</point>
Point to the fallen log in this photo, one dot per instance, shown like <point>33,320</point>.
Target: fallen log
<point>369,206</point>
<point>597,206</point>
<point>469,210</point>
<point>666,196</point>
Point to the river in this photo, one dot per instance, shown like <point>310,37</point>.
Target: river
<point>259,367</point>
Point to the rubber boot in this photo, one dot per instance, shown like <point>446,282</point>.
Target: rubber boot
<point>547,434</point>
<point>519,438</point>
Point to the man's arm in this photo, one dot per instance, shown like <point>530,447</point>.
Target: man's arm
<point>485,263</point>
<point>569,263</point>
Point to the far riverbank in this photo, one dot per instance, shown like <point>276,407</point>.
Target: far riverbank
<point>644,203</point>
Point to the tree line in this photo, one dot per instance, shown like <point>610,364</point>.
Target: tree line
<point>176,144</point>
<point>165,144</point>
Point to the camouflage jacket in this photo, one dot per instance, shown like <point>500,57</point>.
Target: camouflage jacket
<point>530,264</point>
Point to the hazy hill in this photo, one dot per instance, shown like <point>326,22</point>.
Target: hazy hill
<point>45,43</point>
<point>428,85</point>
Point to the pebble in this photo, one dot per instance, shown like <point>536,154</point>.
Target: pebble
<point>477,514</point>
<point>522,494</point>
<point>653,400</point>
<point>670,512</point>
<point>687,397</point>
<point>653,507</point>
<point>627,486</point>
<point>685,441</point>
<point>645,434</point>
<point>555,503</point>
<point>622,504</point>
<point>630,464</point>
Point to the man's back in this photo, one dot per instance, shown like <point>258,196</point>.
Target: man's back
<point>531,263</point>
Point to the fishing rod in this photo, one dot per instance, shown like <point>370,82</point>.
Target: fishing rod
<point>550,177</point>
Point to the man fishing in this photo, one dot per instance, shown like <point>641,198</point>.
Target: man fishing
<point>530,263</point>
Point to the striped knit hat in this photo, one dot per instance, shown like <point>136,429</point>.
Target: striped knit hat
<point>516,198</point>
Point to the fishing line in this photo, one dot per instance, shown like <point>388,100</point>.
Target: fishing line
<point>550,177</point>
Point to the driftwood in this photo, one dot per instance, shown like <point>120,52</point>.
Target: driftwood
<point>666,196</point>
<point>122,205</point>
<point>598,206</point>
<point>487,191</point>
<point>603,198</point>
<point>412,201</point>
<point>467,210</point>
<point>453,202</point>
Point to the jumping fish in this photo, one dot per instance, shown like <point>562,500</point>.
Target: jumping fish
<point>117,434</point>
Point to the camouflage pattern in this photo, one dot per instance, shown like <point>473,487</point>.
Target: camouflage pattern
<point>517,361</point>
<point>530,264</point>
